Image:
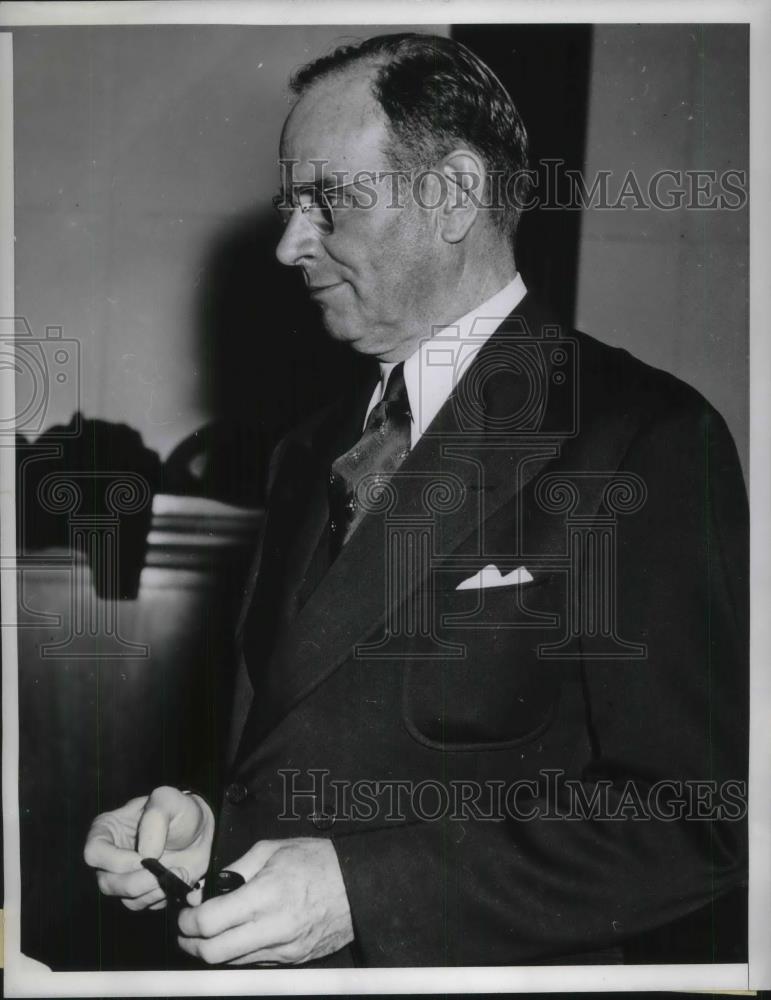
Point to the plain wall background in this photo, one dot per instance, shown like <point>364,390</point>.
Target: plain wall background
<point>671,286</point>
<point>135,146</point>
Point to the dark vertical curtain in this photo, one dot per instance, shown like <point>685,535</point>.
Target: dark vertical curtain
<point>545,68</point>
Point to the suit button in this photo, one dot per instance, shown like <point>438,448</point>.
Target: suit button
<point>322,820</point>
<point>236,792</point>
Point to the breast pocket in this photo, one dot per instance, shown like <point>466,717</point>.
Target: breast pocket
<point>493,691</point>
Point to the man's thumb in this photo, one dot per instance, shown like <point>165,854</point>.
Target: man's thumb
<point>152,831</point>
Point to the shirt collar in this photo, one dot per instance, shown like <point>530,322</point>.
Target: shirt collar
<point>433,370</point>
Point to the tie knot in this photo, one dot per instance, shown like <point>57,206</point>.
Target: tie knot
<point>396,389</point>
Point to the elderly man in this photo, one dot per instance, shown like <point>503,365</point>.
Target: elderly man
<point>492,698</point>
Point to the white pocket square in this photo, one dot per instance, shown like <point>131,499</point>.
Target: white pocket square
<point>491,576</point>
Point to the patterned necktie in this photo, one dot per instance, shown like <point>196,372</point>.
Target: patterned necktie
<point>380,450</point>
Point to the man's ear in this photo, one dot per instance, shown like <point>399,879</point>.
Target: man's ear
<point>464,174</point>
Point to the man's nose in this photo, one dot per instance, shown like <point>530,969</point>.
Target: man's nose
<point>299,242</point>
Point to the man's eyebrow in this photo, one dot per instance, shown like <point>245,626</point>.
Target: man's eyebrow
<point>301,186</point>
<point>285,193</point>
<point>336,179</point>
<point>317,185</point>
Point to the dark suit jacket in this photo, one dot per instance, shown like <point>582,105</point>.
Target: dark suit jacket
<point>624,659</point>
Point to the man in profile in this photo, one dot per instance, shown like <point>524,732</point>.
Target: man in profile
<point>510,573</point>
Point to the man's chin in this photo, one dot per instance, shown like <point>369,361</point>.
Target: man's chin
<point>356,333</point>
<point>358,344</point>
<point>336,331</point>
<point>343,333</point>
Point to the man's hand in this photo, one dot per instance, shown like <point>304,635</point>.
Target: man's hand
<point>293,908</point>
<point>177,829</point>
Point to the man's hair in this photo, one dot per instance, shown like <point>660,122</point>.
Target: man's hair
<point>437,95</point>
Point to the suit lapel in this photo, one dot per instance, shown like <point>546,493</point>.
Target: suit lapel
<point>310,532</point>
<point>303,498</point>
<point>485,444</point>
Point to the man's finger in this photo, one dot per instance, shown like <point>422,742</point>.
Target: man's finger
<point>261,936</point>
<point>280,955</point>
<point>146,901</point>
<point>244,905</point>
<point>101,852</point>
<point>195,898</point>
<point>130,886</point>
<point>255,859</point>
<point>153,831</point>
<point>165,809</point>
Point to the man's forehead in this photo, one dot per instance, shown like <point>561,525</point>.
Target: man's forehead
<point>337,121</point>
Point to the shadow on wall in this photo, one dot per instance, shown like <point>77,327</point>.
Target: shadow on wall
<point>268,363</point>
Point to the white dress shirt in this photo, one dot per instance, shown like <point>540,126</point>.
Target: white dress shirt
<point>433,371</point>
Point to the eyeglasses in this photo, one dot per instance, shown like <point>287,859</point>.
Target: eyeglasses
<point>316,203</point>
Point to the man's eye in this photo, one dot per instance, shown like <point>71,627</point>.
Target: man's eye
<point>335,199</point>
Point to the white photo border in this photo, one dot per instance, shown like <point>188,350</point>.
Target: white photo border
<point>25,977</point>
